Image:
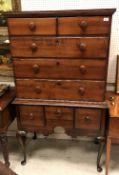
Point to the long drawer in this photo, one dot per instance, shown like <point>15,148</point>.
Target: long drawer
<point>59,47</point>
<point>84,25</point>
<point>32,26</point>
<point>60,68</point>
<point>62,90</point>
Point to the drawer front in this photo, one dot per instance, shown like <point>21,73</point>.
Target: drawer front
<point>32,26</point>
<point>31,116</point>
<point>59,116</point>
<point>59,113</point>
<point>84,25</point>
<point>62,90</point>
<point>88,118</point>
<point>59,47</point>
<point>114,127</point>
<point>60,68</point>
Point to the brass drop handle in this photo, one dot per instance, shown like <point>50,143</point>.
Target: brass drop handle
<point>31,116</point>
<point>32,26</point>
<point>82,69</point>
<point>87,119</point>
<point>81,91</point>
<point>58,112</point>
<point>83,25</point>
<point>82,47</point>
<point>34,47</point>
<point>38,89</point>
<point>36,68</point>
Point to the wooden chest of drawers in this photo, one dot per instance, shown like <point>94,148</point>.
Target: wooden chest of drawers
<point>60,63</point>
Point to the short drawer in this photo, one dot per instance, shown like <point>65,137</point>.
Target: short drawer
<point>59,113</point>
<point>32,26</point>
<point>114,127</point>
<point>61,90</point>
<point>90,69</point>
<point>87,118</point>
<point>31,116</point>
<point>59,117</point>
<point>84,25</point>
<point>79,47</point>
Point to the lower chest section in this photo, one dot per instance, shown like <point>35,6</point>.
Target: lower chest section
<point>86,121</point>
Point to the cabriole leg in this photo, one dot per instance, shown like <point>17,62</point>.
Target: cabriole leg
<point>21,136</point>
<point>101,141</point>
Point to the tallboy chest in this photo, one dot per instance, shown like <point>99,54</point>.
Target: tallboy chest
<point>60,63</point>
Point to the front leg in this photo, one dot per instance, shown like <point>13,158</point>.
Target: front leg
<point>21,136</point>
<point>101,141</point>
<point>4,145</point>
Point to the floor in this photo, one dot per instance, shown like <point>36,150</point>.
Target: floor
<point>61,157</point>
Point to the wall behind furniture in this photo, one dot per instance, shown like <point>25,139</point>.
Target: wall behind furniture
<point>81,4</point>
